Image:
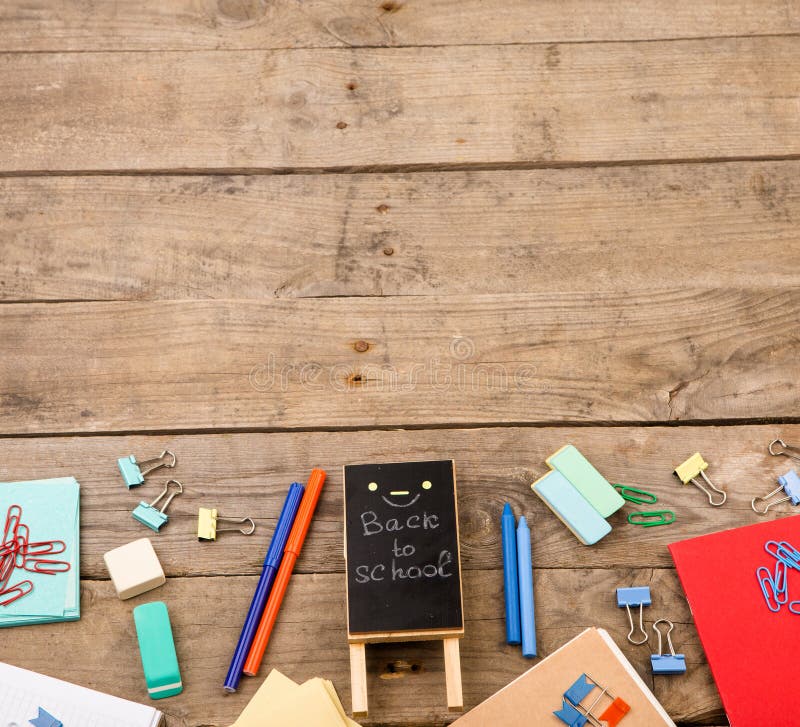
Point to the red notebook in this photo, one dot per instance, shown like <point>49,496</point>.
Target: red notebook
<point>752,651</point>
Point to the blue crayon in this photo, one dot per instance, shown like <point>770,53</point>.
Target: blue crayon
<point>526,589</point>
<point>510,575</point>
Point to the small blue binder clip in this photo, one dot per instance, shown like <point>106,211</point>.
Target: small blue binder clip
<point>132,472</point>
<point>575,714</point>
<point>671,663</point>
<point>571,716</point>
<point>789,483</point>
<point>148,515</point>
<point>45,720</point>
<point>635,596</point>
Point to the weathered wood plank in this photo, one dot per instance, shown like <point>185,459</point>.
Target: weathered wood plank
<point>248,24</point>
<point>310,640</point>
<point>248,474</point>
<point>615,229</point>
<point>353,362</point>
<point>416,106</point>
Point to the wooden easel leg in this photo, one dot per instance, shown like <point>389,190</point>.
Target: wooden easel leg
<point>452,675</point>
<point>358,679</point>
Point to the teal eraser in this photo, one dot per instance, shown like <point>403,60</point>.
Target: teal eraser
<point>559,494</point>
<point>157,649</point>
<point>597,490</point>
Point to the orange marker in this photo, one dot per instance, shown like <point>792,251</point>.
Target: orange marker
<point>293,547</point>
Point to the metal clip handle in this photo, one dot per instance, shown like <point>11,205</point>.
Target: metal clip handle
<point>238,521</point>
<point>707,493</point>
<point>158,462</point>
<point>786,451</point>
<point>633,628</point>
<point>669,638</point>
<point>765,498</point>
<point>175,493</point>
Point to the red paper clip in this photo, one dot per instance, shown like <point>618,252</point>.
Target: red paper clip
<point>20,589</point>
<point>13,518</point>
<point>48,567</point>
<point>7,565</point>
<point>45,547</point>
<point>16,551</point>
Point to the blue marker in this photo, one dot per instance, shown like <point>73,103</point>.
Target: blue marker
<point>510,575</point>
<point>526,589</point>
<point>271,563</point>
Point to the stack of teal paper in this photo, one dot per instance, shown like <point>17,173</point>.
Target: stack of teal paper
<point>50,509</point>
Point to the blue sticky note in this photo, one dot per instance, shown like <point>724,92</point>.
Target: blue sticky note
<point>560,495</point>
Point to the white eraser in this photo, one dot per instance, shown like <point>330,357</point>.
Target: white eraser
<point>134,568</point>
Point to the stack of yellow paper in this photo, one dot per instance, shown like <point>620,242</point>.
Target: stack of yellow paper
<point>280,702</point>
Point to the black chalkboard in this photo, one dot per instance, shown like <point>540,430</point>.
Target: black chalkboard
<point>401,540</point>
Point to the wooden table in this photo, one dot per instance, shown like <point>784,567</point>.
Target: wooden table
<point>272,235</point>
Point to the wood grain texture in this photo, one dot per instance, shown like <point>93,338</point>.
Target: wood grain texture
<point>247,24</point>
<point>616,229</point>
<point>310,640</point>
<point>248,474</point>
<point>311,109</point>
<point>536,358</point>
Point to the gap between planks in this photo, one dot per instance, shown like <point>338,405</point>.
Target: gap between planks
<point>407,427</point>
<point>502,166</point>
<point>422,46</point>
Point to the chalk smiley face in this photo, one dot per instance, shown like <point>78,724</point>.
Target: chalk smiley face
<point>407,497</point>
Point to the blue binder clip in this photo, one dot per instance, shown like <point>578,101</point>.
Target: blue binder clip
<point>147,513</point>
<point>789,483</point>
<point>671,663</point>
<point>635,596</point>
<point>132,472</point>
<point>45,720</point>
<point>571,716</point>
<point>574,714</point>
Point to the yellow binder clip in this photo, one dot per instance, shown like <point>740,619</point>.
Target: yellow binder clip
<point>208,518</point>
<point>690,470</point>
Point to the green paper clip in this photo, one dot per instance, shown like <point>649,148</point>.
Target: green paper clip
<point>644,518</point>
<point>634,494</point>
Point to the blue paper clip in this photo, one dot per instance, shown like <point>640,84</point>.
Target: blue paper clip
<point>132,472</point>
<point>671,663</point>
<point>45,720</point>
<point>148,515</point>
<point>784,552</point>
<point>635,596</point>
<point>789,483</point>
<point>768,588</point>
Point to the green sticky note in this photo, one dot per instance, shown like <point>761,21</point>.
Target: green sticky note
<point>157,649</point>
<point>587,480</point>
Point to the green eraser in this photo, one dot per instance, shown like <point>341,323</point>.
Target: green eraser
<point>157,649</point>
<point>587,480</point>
